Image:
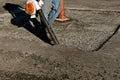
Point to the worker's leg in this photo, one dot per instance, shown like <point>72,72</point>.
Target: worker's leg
<point>46,8</point>
<point>51,9</point>
<point>53,14</point>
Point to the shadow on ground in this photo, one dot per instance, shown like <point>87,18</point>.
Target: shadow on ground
<point>21,19</point>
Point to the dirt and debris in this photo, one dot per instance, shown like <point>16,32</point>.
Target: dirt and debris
<point>89,44</point>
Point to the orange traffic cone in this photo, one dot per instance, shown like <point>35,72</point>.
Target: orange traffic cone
<point>62,16</point>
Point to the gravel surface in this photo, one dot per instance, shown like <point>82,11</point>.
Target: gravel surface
<point>89,43</point>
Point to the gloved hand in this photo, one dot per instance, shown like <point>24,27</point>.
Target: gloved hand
<point>40,2</point>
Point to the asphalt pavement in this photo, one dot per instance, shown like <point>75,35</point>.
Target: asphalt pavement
<point>89,44</point>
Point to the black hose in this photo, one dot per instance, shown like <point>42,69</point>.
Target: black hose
<point>48,27</point>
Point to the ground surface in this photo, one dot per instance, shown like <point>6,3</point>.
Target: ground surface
<point>89,44</point>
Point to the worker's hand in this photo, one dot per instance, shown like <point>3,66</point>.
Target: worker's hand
<point>40,2</point>
<point>37,0</point>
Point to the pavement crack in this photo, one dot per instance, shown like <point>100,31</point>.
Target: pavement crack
<point>102,44</point>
